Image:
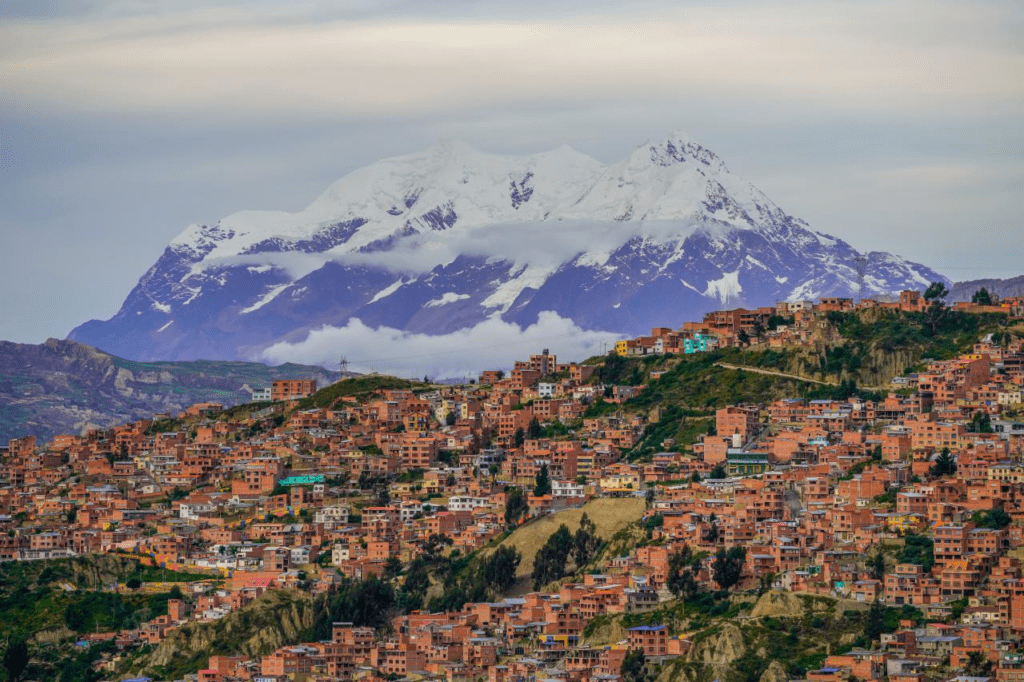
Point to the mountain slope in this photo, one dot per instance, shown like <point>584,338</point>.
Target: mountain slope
<point>65,387</point>
<point>448,238</point>
<point>963,291</point>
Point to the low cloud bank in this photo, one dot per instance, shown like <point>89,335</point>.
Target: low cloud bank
<point>492,344</point>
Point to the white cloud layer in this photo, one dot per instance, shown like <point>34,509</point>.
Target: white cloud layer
<point>910,54</point>
<point>492,344</point>
<point>543,244</point>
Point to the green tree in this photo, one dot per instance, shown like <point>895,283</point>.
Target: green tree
<point>982,297</point>
<point>980,423</point>
<point>392,567</point>
<point>414,586</point>
<point>516,507</point>
<point>875,624</point>
<point>712,534</point>
<point>729,566</point>
<point>944,464</point>
<point>549,564</point>
<point>935,295</point>
<point>878,565</point>
<point>16,657</point>
<point>543,486</point>
<point>718,472</point>
<point>585,542</point>
<point>996,518</point>
<point>681,580</point>
<point>533,430</point>
<point>500,569</point>
<point>634,666</point>
<point>977,665</point>
<point>518,438</point>
<point>133,583</point>
<point>918,549</point>
<point>449,418</point>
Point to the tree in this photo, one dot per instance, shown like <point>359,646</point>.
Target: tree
<point>516,507</point>
<point>133,583</point>
<point>549,564</point>
<point>392,567</point>
<point>681,580</point>
<point>414,587</point>
<point>543,486</point>
<point>449,419</point>
<point>16,657</point>
<point>875,624</point>
<point>585,542</point>
<point>982,297</point>
<point>533,430</point>
<point>936,291</point>
<point>744,338</point>
<point>980,423</point>
<point>944,464</point>
<point>712,534</point>
<point>383,496</point>
<point>729,566</point>
<point>634,666</point>
<point>500,569</point>
<point>878,565</point>
<point>977,665</point>
<point>518,438</point>
<point>718,472</point>
<point>936,295</point>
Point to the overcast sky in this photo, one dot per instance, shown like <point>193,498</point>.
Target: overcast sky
<point>894,125</point>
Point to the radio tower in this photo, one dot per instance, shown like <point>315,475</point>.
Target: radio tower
<point>861,263</point>
<point>343,366</point>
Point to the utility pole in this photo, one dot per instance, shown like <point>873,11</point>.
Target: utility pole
<point>343,366</point>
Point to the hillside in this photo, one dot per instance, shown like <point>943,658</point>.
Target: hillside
<point>610,515</point>
<point>962,291</point>
<point>277,618</point>
<point>66,387</point>
<point>743,638</point>
<point>863,353</point>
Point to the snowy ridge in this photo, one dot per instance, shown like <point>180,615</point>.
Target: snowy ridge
<point>447,238</point>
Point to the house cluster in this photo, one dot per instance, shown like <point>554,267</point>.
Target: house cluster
<point>276,497</point>
<point>787,323</point>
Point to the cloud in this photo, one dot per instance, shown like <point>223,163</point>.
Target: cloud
<point>492,344</point>
<point>544,245</point>
<point>223,62</point>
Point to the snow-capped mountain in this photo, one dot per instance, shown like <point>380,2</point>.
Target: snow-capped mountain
<point>451,237</point>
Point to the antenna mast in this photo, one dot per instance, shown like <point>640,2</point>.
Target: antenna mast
<point>861,263</point>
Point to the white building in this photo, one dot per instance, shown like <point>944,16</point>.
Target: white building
<point>467,503</point>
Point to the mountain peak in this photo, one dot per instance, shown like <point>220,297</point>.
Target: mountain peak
<point>662,235</point>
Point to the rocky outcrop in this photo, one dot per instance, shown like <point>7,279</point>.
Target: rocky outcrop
<point>721,648</point>
<point>275,619</point>
<point>777,604</point>
<point>776,672</point>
